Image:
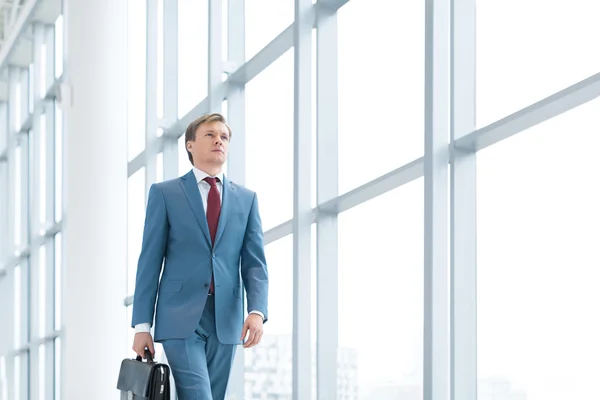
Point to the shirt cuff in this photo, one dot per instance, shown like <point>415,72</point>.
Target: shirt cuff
<point>144,327</point>
<point>259,313</point>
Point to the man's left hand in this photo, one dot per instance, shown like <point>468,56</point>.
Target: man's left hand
<point>253,327</point>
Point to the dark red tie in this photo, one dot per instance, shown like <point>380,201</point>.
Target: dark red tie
<point>213,210</point>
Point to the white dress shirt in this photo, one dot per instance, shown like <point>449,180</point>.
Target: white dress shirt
<point>204,188</point>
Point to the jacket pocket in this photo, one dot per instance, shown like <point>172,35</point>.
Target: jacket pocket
<point>171,286</point>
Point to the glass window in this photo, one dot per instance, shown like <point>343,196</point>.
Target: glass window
<point>541,53</point>
<point>130,333</point>
<point>43,71</point>
<point>192,53</point>
<point>381,296</point>
<point>17,306</point>
<point>270,140</point>
<point>58,281</point>
<point>57,368</point>
<point>16,99</point>
<point>381,81</point>
<point>225,29</point>
<point>5,128</point>
<point>159,167</point>
<point>265,19</point>
<point>18,200</point>
<point>58,164</point>
<point>41,164</point>
<point>160,58</point>
<point>18,377</point>
<point>538,217</point>
<point>313,166</point>
<point>183,159</point>
<point>42,307</point>
<point>268,367</point>
<point>136,214</point>
<point>3,379</point>
<point>41,384</point>
<point>30,94</point>
<point>136,82</point>
<point>58,46</point>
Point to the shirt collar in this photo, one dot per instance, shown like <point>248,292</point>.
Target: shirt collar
<point>200,175</point>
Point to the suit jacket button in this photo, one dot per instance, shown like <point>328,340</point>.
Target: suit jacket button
<point>206,285</point>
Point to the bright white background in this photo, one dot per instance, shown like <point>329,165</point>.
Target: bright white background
<point>538,219</point>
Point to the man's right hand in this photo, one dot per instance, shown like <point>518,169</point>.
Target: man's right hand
<point>141,342</point>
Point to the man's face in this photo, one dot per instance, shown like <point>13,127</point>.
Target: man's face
<point>211,144</point>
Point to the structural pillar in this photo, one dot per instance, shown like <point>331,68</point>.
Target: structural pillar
<point>93,97</point>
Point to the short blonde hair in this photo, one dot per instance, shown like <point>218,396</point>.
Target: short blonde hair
<point>190,132</point>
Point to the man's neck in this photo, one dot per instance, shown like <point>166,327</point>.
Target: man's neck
<point>210,170</point>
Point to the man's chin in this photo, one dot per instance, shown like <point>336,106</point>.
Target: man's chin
<point>219,158</point>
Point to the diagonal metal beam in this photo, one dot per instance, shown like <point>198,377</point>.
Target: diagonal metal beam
<point>556,104</point>
<point>374,188</point>
<point>275,49</point>
<point>15,31</point>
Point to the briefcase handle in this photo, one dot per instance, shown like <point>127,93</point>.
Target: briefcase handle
<point>148,356</point>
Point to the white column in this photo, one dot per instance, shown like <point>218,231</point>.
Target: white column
<point>436,333</point>
<point>95,197</point>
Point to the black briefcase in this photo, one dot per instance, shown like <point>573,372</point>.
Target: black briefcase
<point>144,380</point>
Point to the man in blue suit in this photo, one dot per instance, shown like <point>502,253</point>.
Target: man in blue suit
<point>207,231</point>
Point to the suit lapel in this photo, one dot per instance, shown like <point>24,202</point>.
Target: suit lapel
<point>228,195</point>
<point>190,188</point>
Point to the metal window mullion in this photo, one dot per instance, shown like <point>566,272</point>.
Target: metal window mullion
<point>556,104</point>
<point>170,86</point>
<point>327,189</point>
<point>50,110</point>
<point>151,91</point>
<point>12,143</point>
<point>32,178</point>
<point>215,57</point>
<point>301,343</point>
<point>436,276</point>
<point>236,163</point>
<point>236,95</point>
<point>463,212</point>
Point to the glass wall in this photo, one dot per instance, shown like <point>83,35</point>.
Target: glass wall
<point>31,207</point>
<point>426,190</point>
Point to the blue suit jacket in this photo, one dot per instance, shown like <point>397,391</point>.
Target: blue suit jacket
<point>176,232</point>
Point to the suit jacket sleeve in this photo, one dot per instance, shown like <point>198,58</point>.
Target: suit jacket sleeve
<point>151,258</point>
<point>253,263</point>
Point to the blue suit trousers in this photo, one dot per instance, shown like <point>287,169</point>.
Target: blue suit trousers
<point>200,363</point>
